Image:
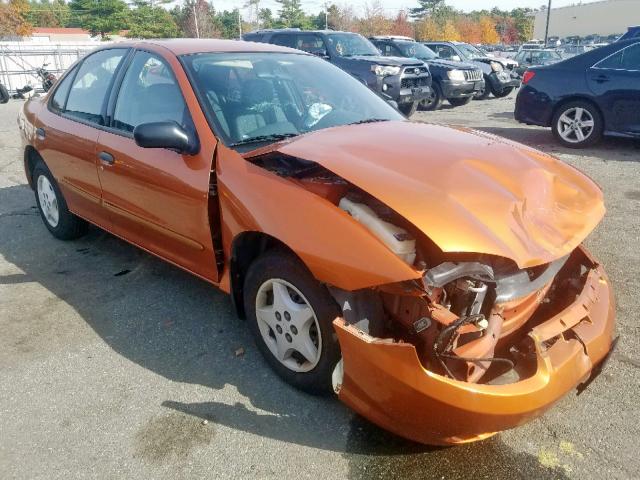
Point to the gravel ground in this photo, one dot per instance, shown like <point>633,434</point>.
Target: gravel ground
<point>114,364</point>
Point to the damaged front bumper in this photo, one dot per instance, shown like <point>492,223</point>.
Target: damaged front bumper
<point>384,380</point>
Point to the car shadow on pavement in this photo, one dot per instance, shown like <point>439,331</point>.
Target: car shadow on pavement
<point>608,149</point>
<point>182,329</point>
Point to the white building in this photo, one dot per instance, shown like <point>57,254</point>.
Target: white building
<point>604,18</point>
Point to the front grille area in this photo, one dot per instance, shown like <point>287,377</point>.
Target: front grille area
<point>415,70</point>
<point>414,82</point>
<point>472,75</point>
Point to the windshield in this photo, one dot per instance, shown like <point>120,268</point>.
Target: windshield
<point>470,51</point>
<point>351,44</point>
<point>546,56</point>
<point>416,50</point>
<point>256,98</point>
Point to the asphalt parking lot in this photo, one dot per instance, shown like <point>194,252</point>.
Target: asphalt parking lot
<point>114,364</point>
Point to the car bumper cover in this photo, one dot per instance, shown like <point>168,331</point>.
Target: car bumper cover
<point>385,382</point>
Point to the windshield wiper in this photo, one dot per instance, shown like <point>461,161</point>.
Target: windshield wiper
<point>264,138</point>
<point>369,120</point>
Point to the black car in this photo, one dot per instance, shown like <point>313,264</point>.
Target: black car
<point>586,96</point>
<point>453,81</point>
<point>632,32</point>
<point>498,80</point>
<point>406,81</point>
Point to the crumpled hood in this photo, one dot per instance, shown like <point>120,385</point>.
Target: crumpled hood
<point>466,190</point>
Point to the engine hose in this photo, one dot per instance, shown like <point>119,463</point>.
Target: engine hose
<point>444,352</point>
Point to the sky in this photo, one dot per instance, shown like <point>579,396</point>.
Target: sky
<point>393,6</point>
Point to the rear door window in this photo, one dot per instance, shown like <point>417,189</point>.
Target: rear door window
<point>285,40</point>
<point>91,85</point>
<point>626,59</point>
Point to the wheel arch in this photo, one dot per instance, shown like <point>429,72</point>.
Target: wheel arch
<point>245,249</point>
<point>31,158</point>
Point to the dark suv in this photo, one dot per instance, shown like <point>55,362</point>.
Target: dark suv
<point>406,81</point>
<point>499,80</point>
<point>453,81</point>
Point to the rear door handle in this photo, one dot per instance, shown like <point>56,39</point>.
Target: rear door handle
<point>601,79</point>
<point>106,158</point>
<point>40,133</point>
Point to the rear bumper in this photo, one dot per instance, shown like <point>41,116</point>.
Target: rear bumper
<point>386,383</point>
<point>533,107</point>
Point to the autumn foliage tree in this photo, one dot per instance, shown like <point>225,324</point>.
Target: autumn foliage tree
<point>13,19</point>
<point>489,35</point>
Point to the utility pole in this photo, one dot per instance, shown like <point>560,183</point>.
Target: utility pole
<point>326,17</point>
<point>195,20</point>
<point>239,25</point>
<point>546,31</point>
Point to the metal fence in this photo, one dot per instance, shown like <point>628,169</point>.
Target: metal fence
<point>19,60</point>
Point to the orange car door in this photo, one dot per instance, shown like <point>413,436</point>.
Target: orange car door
<point>68,130</point>
<point>156,198</point>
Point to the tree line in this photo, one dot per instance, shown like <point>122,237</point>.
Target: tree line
<point>431,20</point>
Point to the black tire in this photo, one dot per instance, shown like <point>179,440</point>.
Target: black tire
<point>485,92</point>
<point>408,109</point>
<point>595,134</point>
<point>277,264</point>
<point>459,102</point>
<point>433,101</point>
<point>69,226</point>
<point>503,93</point>
<point>4,94</point>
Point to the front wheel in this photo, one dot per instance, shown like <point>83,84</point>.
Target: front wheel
<point>53,208</point>
<point>408,109</point>
<point>503,93</point>
<point>290,316</point>
<point>433,100</point>
<point>577,124</point>
<point>485,91</point>
<point>458,102</point>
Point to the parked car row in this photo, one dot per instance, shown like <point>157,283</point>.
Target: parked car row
<point>452,71</point>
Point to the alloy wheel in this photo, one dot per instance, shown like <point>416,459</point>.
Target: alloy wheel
<point>576,125</point>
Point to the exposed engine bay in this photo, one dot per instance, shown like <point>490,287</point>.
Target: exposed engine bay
<point>470,314</point>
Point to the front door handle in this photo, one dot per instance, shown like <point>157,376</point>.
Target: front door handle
<point>106,158</point>
<point>601,79</point>
<point>40,133</point>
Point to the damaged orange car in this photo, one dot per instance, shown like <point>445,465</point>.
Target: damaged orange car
<point>432,277</point>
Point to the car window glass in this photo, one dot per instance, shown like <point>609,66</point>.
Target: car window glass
<point>626,59</point>
<point>149,93</point>
<point>249,96</point>
<point>91,84</point>
<point>312,44</point>
<point>60,95</point>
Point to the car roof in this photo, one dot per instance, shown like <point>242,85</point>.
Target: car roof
<point>187,46</point>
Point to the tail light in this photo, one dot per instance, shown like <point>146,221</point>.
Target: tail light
<point>528,75</point>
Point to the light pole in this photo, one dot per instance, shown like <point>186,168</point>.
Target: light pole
<point>546,31</point>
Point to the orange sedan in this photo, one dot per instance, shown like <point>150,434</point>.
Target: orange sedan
<point>432,277</point>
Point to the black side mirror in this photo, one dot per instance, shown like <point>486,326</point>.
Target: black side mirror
<point>165,135</point>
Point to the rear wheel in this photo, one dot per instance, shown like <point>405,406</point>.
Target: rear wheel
<point>290,316</point>
<point>53,208</point>
<point>577,124</point>
<point>433,100</point>
<point>408,109</point>
<point>458,102</point>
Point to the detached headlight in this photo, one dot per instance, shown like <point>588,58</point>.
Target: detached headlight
<point>496,66</point>
<point>385,70</point>
<point>456,75</point>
